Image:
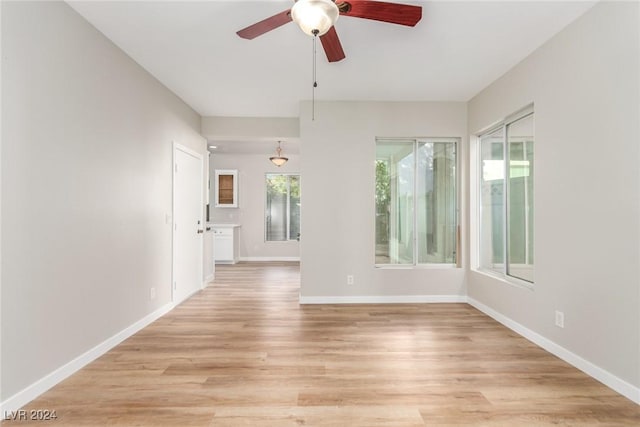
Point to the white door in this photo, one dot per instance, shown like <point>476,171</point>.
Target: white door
<point>187,223</point>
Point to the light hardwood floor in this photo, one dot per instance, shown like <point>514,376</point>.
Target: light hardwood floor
<point>244,353</point>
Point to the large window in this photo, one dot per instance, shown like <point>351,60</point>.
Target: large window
<point>506,198</point>
<point>416,202</point>
<point>282,212</point>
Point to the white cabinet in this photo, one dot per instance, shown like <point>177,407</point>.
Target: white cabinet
<point>225,243</point>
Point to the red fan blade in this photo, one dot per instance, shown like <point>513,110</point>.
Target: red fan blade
<point>266,25</point>
<point>332,46</point>
<point>403,14</point>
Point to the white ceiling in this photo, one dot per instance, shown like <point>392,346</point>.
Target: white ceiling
<point>456,50</point>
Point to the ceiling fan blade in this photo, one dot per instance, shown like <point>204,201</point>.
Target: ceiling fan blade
<point>266,25</point>
<point>402,14</point>
<point>332,46</point>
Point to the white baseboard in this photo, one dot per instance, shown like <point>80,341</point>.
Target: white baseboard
<point>270,258</point>
<point>607,378</point>
<point>380,299</point>
<point>25,396</point>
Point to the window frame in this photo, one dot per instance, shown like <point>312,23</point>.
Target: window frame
<point>503,125</point>
<point>288,207</point>
<point>415,141</point>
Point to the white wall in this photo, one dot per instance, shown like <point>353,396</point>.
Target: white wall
<point>252,169</point>
<point>585,86</point>
<point>337,153</point>
<point>250,128</point>
<point>86,184</point>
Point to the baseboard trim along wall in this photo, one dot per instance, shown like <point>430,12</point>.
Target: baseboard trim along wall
<point>270,258</point>
<point>607,378</point>
<point>389,299</point>
<point>25,396</point>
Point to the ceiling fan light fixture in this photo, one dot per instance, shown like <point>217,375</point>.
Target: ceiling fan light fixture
<point>279,160</point>
<point>315,17</point>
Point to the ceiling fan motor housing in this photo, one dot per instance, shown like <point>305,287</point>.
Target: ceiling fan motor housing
<point>315,17</point>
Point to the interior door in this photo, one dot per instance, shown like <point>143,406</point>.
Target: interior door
<point>187,223</point>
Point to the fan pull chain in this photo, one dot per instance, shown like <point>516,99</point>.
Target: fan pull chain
<point>315,82</point>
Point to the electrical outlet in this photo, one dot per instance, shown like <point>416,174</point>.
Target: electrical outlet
<point>152,293</point>
<point>559,319</point>
<point>350,279</point>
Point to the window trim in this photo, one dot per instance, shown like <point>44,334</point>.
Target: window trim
<point>457,264</point>
<point>477,265</point>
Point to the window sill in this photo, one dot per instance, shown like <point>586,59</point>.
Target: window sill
<point>509,280</point>
<point>417,267</point>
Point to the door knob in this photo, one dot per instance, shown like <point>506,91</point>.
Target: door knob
<point>200,231</point>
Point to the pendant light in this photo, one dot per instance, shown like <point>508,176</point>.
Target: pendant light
<point>278,160</point>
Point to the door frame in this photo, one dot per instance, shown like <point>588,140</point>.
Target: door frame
<point>200,158</point>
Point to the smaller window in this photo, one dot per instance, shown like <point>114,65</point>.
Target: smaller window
<point>282,212</point>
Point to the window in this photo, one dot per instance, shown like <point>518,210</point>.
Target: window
<point>416,202</point>
<point>506,198</point>
<point>282,213</point>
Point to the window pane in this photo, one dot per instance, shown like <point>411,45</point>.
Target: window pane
<point>282,211</point>
<point>436,209</point>
<point>294,207</point>
<point>492,201</point>
<point>276,209</point>
<point>520,197</point>
<point>506,199</point>
<point>394,202</point>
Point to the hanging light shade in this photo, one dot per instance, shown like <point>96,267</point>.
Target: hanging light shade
<point>278,160</point>
<point>315,17</point>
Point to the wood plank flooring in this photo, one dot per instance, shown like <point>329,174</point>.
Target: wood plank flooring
<point>243,353</point>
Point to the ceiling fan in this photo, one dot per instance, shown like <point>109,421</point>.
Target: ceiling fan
<point>316,18</point>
